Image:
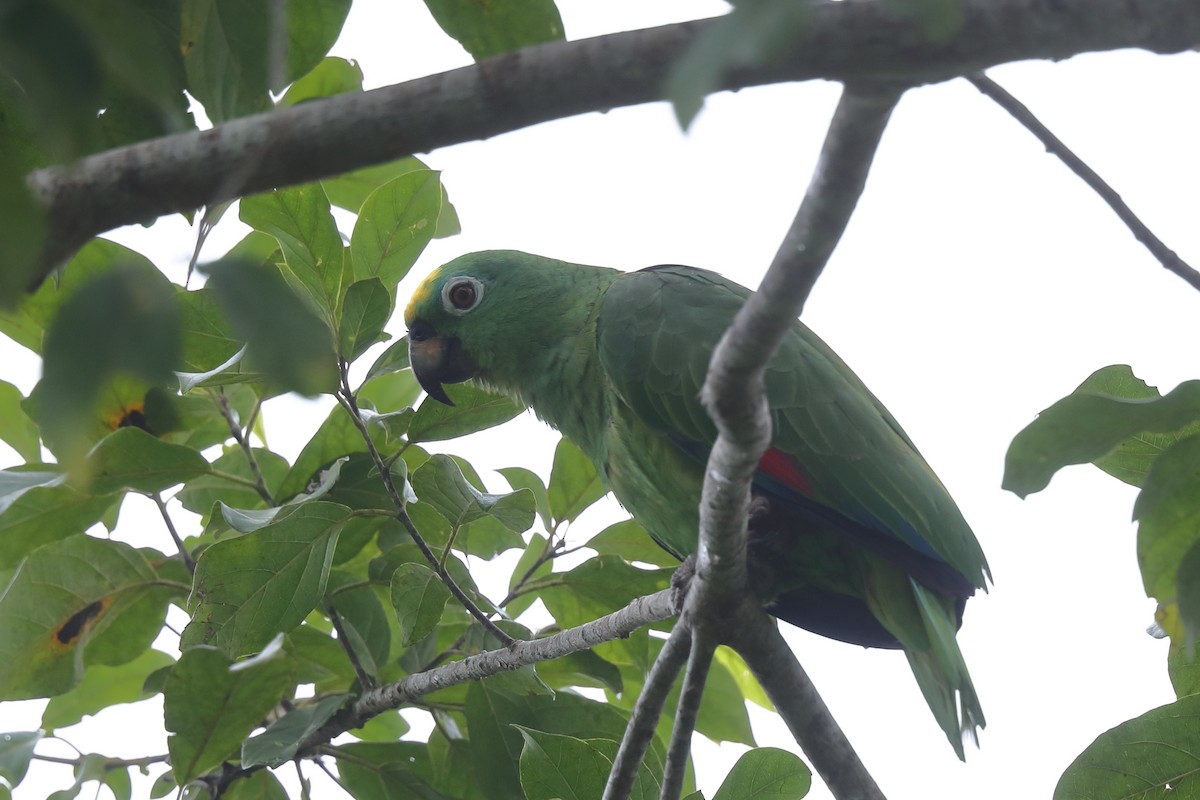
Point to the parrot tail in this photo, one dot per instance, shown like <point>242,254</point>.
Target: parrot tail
<point>942,673</point>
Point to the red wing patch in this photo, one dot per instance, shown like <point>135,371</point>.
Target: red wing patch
<point>783,468</point>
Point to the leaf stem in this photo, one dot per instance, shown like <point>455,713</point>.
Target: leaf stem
<point>364,678</point>
<point>349,402</point>
<point>188,561</point>
<point>243,440</point>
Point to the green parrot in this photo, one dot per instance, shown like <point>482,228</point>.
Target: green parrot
<point>873,549</point>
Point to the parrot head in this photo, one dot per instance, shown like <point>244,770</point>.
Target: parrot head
<point>487,316</point>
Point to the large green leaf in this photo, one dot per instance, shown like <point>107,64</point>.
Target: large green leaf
<point>473,410</point>
<point>128,319</point>
<point>1118,431</point>
<point>378,771</point>
<point>199,495</point>
<point>258,785</point>
<point>209,343</point>
<point>1140,759</point>
<point>76,602</point>
<point>395,224</point>
<point>487,29</point>
<point>300,219</point>
<point>597,587</point>
<point>766,772</point>
<point>235,51</point>
<point>350,190</point>
<point>103,686</point>
<point>574,483</point>
<point>210,705</point>
<point>557,767</point>
<point>364,621</point>
<point>521,478</point>
<point>337,437</point>
<point>130,458</point>
<point>284,338</point>
<point>258,585</point>
<point>34,515</point>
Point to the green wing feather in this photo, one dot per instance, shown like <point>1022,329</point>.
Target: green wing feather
<point>657,329</point>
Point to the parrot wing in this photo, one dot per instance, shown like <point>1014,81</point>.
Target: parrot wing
<point>835,449</point>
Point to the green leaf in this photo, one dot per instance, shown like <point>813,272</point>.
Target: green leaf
<point>473,410</point>
<point>766,772</point>
<point>554,767</point>
<point>583,668</point>
<point>210,706</point>
<point>574,483</point>
<point>386,727</point>
<point>441,484</point>
<point>521,572</point>
<point>1139,758</point>
<point>1168,510</point>
<point>364,620</point>
<point>130,458</point>
<point>16,428</point>
<point>365,310</point>
<point>285,339</point>
<point>393,359</point>
<point>279,742</point>
<point>71,604</point>
<point>337,437</point>
<point>630,541</point>
<point>333,76</point>
<point>490,29</point>
<point>418,595</point>
<point>1187,595</point>
<point>395,223</point>
<point>300,220</point>
<point>16,751</point>
<point>102,687</point>
<point>597,587</point>
<point>260,584</point>
<point>351,190</point>
<point>258,785</point>
<point>228,49</point>
<point>521,478</point>
<point>378,771</point>
<point>496,743</point>
<point>1090,424</point>
<point>746,682</point>
<point>210,347</point>
<point>44,513</point>
<point>129,320</point>
<point>754,33</point>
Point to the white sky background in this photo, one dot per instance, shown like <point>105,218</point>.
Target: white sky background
<point>978,282</point>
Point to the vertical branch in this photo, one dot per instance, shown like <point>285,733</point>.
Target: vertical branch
<point>699,661</point>
<point>243,440</point>
<point>640,730</point>
<point>734,395</point>
<point>188,561</point>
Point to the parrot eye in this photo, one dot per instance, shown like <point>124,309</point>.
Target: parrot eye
<point>462,295</point>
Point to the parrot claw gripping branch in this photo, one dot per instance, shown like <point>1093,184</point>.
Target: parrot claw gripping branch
<point>716,418</point>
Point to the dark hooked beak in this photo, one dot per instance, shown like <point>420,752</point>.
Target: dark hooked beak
<point>437,360</point>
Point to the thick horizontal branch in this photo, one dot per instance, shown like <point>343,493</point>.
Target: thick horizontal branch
<point>851,40</point>
<point>639,613</point>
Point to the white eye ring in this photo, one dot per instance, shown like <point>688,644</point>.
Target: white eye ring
<point>461,295</point>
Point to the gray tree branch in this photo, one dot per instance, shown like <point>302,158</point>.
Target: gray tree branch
<point>734,395</point>
<point>853,40</point>
<point>639,613</point>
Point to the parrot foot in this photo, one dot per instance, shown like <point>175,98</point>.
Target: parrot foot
<point>681,582</point>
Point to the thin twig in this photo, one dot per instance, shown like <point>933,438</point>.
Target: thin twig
<point>235,430</point>
<point>113,763</point>
<point>1055,146</point>
<point>686,713</point>
<point>639,733</point>
<point>364,678</point>
<point>348,401</point>
<point>188,561</point>
<point>759,642</point>
<point>324,768</point>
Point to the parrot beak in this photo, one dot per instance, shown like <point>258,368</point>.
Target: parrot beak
<point>436,360</point>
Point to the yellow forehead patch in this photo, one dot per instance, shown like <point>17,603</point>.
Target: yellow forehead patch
<point>420,296</point>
